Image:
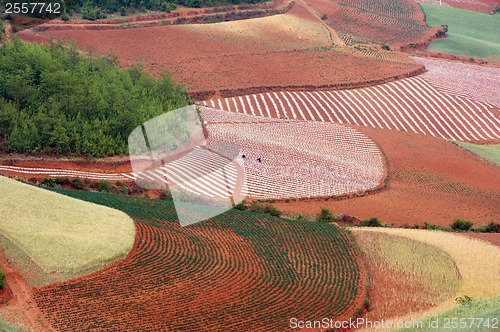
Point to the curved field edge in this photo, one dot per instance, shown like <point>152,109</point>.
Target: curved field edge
<point>476,315</point>
<point>478,263</point>
<point>59,233</point>
<point>469,33</point>
<point>397,265</point>
<point>489,152</point>
<point>245,271</point>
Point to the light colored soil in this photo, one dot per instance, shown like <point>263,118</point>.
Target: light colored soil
<point>430,180</point>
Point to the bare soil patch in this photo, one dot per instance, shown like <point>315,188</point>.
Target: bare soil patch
<point>430,180</point>
<point>292,49</point>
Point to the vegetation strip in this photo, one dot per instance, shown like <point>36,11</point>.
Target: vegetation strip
<point>60,233</point>
<point>476,262</point>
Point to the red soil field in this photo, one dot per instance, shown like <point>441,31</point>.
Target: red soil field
<point>430,180</point>
<point>386,21</point>
<point>481,6</point>
<point>282,50</point>
<point>388,284</point>
<point>493,238</point>
<point>478,82</point>
<point>235,272</point>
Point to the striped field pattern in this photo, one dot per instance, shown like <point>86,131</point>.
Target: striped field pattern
<point>411,105</point>
<point>298,159</point>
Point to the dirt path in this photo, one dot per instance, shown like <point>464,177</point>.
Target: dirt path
<point>335,39</point>
<point>22,296</point>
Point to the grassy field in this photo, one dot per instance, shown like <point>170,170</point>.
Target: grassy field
<point>469,33</point>
<point>490,152</point>
<point>476,261</point>
<point>488,310</point>
<point>6,327</point>
<point>60,233</point>
<point>399,264</point>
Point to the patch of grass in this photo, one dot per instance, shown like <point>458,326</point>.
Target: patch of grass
<point>60,233</point>
<point>475,259</point>
<point>469,33</point>
<point>488,152</point>
<point>428,273</point>
<point>6,327</point>
<point>486,309</point>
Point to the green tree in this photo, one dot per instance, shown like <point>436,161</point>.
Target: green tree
<point>325,215</point>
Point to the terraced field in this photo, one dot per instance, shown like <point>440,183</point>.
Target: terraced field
<point>238,271</point>
<point>386,21</point>
<point>411,105</point>
<point>298,159</point>
<point>463,79</point>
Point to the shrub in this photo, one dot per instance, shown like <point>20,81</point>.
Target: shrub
<point>324,17</point>
<point>104,186</point>
<point>492,227</point>
<point>367,304</point>
<point>92,13</point>
<point>265,208</point>
<point>2,279</point>
<point>77,183</point>
<point>240,206</point>
<point>49,182</point>
<point>166,195</point>
<point>324,216</point>
<point>461,225</point>
<point>386,47</point>
<point>64,17</point>
<point>123,12</point>
<point>372,222</point>
<point>464,299</point>
<point>298,217</point>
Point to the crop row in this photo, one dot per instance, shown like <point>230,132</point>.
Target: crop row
<point>384,21</point>
<point>235,272</point>
<point>297,159</point>
<point>303,159</point>
<point>411,105</point>
<point>468,80</point>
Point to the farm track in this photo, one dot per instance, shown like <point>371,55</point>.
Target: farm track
<point>230,269</point>
<point>22,298</point>
<point>410,105</point>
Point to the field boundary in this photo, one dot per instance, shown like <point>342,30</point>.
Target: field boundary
<point>212,15</point>
<point>228,93</point>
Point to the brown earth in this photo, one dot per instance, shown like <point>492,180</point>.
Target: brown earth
<point>493,238</point>
<point>292,49</point>
<point>481,6</point>
<point>105,165</point>
<point>430,180</point>
<point>21,302</point>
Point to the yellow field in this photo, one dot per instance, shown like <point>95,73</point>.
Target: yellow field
<point>59,233</point>
<point>478,263</point>
<point>399,265</point>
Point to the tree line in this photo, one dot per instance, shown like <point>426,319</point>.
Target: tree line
<point>97,9</point>
<point>56,101</point>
